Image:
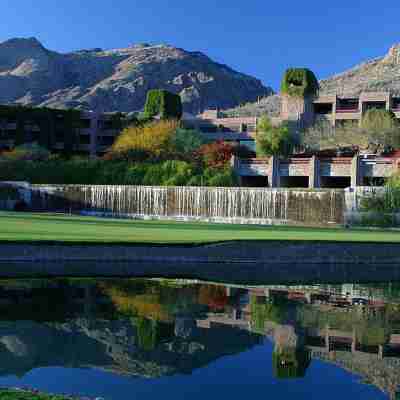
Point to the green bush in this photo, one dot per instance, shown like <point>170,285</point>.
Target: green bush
<point>299,82</point>
<point>100,172</point>
<point>28,152</point>
<point>273,140</point>
<point>218,177</point>
<point>187,141</point>
<point>378,220</point>
<point>163,103</point>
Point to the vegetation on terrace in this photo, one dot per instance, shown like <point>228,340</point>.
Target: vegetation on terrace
<point>379,131</point>
<point>159,153</point>
<point>299,82</point>
<point>21,227</point>
<point>273,140</point>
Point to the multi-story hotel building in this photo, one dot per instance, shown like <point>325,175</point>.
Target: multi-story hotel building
<point>92,134</point>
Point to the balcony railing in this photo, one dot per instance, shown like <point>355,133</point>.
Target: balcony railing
<point>347,109</point>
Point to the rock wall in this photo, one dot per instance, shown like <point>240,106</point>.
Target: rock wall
<point>247,262</point>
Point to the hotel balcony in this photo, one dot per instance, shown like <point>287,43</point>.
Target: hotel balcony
<point>348,114</point>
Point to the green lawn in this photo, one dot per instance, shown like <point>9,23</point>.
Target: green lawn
<point>64,228</point>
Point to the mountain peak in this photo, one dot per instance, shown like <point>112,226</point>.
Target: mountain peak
<point>23,42</point>
<point>118,79</point>
<point>393,56</point>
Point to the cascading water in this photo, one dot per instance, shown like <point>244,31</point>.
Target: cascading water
<point>241,205</point>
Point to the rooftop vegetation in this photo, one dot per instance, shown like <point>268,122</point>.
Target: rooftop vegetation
<point>164,104</point>
<point>299,82</point>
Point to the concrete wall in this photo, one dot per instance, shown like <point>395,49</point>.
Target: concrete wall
<point>356,169</point>
<point>242,262</point>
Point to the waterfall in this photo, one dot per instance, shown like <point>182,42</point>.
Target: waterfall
<point>240,205</point>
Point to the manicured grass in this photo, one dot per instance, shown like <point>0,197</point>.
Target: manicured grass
<point>27,227</point>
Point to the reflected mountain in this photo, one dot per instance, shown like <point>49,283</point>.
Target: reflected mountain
<point>155,328</point>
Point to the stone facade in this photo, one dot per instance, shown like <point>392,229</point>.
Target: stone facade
<point>356,169</point>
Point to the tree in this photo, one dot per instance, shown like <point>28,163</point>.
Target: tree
<point>154,139</point>
<point>381,127</point>
<point>217,154</point>
<point>164,104</point>
<point>187,141</point>
<point>379,130</point>
<point>273,140</point>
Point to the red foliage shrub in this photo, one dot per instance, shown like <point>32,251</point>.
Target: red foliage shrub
<point>217,154</point>
<point>214,297</point>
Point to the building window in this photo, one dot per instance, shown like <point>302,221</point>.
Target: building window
<point>85,123</point>
<point>323,108</point>
<point>396,104</point>
<point>59,136</point>
<point>84,139</point>
<point>377,105</point>
<point>347,105</point>
<point>106,140</point>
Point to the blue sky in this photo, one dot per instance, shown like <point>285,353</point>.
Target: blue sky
<point>258,37</point>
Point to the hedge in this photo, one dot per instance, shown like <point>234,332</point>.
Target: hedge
<point>299,82</point>
<point>163,103</point>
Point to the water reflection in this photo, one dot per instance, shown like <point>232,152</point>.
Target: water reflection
<point>158,328</point>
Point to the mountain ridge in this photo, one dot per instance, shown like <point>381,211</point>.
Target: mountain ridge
<point>118,79</point>
<point>376,75</point>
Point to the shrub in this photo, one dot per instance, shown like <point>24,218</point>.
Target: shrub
<point>168,173</point>
<point>27,152</point>
<point>164,104</point>
<point>187,141</point>
<point>273,140</point>
<point>100,172</point>
<point>299,82</point>
<point>379,131</point>
<point>377,120</point>
<point>134,155</point>
<point>381,127</point>
<point>220,178</point>
<point>217,154</point>
<point>155,138</point>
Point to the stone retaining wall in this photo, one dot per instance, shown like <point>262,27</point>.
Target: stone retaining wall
<point>254,262</point>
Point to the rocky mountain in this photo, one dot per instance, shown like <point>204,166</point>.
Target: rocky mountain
<point>118,80</point>
<point>380,74</point>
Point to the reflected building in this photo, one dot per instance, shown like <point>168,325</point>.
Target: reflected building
<point>155,328</point>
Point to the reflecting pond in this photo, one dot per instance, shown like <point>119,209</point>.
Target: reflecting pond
<point>126,339</point>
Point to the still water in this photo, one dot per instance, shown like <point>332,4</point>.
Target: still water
<point>152,339</point>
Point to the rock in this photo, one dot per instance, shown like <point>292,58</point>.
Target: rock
<point>380,74</point>
<point>118,79</point>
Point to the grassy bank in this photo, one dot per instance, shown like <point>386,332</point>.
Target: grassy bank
<point>27,227</point>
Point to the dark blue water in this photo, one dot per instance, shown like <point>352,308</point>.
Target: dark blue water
<point>156,339</point>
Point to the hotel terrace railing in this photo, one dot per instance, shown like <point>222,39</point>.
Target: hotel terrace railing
<point>355,168</point>
<point>336,160</point>
<point>342,109</point>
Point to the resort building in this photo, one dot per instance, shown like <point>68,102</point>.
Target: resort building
<point>304,112</point>
<point>93,133</point>
<point>59,130</point>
